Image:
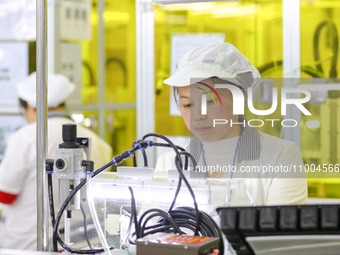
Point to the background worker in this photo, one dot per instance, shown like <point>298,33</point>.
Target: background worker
<point>18,224</point>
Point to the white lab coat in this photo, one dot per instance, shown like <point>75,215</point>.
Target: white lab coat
<point>18,225</point>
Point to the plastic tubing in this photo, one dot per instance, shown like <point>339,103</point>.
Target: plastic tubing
<point>94,215</point>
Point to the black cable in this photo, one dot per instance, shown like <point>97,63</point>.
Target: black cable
<point>198,214</point>
<point>50,193</point>
<point>165,139</point>
<point>88,67</point>
<point>312,72</point>
<point>134,154</point>
<point>192,159</point>
<point>167,145</point>
<point>85,225</point>
<point>134,211</point>
<point>332,26</point>
<point>208,227</point>
<point>179,184</point>
<point>178,219</point>
<point>56,236</point>
<point>51,203</point>
<point>145,158</point>
<point>134,162</point>
<point>184,218</point>
<point>180,178</point>
<point>157,212</point>
<point>177,159</point>
<point>178,163</point>
<point>172,221</point>
<point>122,65</point>
<point>178,147</point>
<point>143,153</point>
<point>269,65</point>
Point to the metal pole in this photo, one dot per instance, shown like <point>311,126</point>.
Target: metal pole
<point>101,68</point>
<point>41,58</point>
<point>145,71</point>
<point>291,60</point>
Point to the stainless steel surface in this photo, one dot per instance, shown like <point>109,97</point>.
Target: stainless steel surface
<point>291,60</point>
<point>101,67</point>
<point>145,71</point>
<point>295,244</point>
<point>22,252</point>
<point>41,30</point>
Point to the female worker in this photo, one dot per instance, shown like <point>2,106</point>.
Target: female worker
<point>224,140</point>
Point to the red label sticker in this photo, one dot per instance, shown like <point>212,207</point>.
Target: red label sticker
<point>179,239</point>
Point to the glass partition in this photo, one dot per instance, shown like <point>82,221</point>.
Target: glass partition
<point>320,139</point>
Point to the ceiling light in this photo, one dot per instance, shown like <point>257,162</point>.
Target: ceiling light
<point>162,2</point>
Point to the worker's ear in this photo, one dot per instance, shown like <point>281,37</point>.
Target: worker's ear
<point>30,114</point>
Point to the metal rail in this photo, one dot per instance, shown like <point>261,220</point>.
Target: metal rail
<point>41,31</point>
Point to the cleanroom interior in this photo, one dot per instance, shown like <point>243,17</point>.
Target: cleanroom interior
<point>97,44</point>
<point>108,96</point>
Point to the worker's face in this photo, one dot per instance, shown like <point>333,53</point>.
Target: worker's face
<point>202,126</point>
<point>30,114</point>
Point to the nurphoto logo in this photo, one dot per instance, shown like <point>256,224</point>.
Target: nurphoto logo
<point>239,103</point>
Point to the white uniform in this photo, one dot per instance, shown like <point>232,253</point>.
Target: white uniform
<point>18,225</point>
<point>266,189</point>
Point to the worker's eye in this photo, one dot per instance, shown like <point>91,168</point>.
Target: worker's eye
<point>186,105</point>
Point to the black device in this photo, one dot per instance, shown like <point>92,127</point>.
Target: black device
<point>300,223</point>
<point>169,243</point>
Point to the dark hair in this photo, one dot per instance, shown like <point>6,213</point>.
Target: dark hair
<point>215,80</point>
<point>60,105</point>
<point>23,103</point>
<point>175,94</point>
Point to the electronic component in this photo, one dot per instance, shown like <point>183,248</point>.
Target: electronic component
<point>241,224</point>
<point>168,243</point>
<point>69,169</point>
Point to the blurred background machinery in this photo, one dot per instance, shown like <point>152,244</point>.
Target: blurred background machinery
<point>99,45</point>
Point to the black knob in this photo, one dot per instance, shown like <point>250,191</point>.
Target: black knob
<point>60,164</point>
<point>69,133</point>
<point>69,136</point>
